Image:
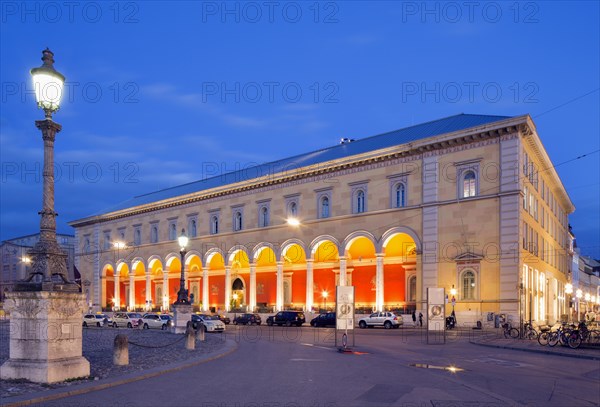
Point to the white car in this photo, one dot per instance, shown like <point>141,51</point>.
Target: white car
<point>154,321</point>
<point>211,323</point>
<point>387,320</point>
<point>128,319</point>
<point>98,320</point>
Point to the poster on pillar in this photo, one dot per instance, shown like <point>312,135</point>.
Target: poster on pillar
<point>435,309</point>
<point>344,307</point>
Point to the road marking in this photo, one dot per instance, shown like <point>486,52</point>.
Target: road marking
<point>305,360</point>
<point>315,346</point>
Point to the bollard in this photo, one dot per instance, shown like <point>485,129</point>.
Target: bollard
<point>121,351</point>
<point>200,334</point>
<point>190,338</point>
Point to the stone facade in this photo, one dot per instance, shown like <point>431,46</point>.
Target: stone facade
<point>445,210</point>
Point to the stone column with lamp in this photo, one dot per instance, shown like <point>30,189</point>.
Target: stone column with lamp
<point>46,308</point>
<point>182,309</point>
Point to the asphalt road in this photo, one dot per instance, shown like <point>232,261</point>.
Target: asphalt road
<point>291,367</point>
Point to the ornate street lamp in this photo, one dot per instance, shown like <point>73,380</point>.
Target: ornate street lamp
<point>182,294</point>
<point>325,294</point>
<point>49,261</point>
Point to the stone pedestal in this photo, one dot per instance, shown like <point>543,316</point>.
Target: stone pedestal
<point>46,336</point>
<point>182,314</point>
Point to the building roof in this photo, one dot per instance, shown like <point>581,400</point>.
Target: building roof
<point>393,138</point>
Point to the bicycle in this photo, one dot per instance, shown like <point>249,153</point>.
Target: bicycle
<point>561,335</point>
<point>509,331</point>
<point>583,334</point>
<point>529,332</point>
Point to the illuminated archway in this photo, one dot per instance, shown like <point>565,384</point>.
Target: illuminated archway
<point>362,268</point>
<point>400,250</point>
<point>324,251</point>
<point>293,256</point>
<point>266,275</point>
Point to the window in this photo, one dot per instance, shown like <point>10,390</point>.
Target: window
<point>137,236</point>
<point>237,221</point>
<point>106,240</point>
<point>324,212</point>
<point>263,217</point>
<point>468,285</point>
<point>154,233</point>
<point>412,288</point>
<point>172,231</point>
<point>193,228</point>
<point>214,224</point>
<point>400,195</point>
<point>359,201</point>
<point>469,184</point>
<point>293,209</point>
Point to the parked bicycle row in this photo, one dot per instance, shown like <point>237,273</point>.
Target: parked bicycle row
<point>565,334</point>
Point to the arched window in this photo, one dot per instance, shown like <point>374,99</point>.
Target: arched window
<point>154,234</point>
<point>214,225</point>
<point>264,217</point>
<point>86,247</point>
<point>400,195</point>
<point>412,289</point>
<point>469,184</point>
<point>237,221</point>
<point>137,238</point>
<point>360,201</point>
<point>325,207</point>
<point>468,285</point>
<point>193,228</point>
<point>293,209</point>
<point>173,231</point>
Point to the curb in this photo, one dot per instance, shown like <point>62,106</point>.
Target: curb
<point>546,352</point>
<point>107,383</point>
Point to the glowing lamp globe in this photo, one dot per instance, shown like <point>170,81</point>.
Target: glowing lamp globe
<point>48,84</point>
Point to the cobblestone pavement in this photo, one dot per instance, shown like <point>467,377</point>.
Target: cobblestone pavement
<point>158,348</point>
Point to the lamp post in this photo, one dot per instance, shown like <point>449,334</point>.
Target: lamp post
<point>47,291</point>
<point>324,294</point>
<point>453,294</point>
<point>569,291</point>
<point>182,294</point>
<point>578,294</point>
<point>49,261</point>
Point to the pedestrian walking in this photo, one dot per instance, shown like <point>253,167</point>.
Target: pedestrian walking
<point>414,318</point>
<point>420,319</point>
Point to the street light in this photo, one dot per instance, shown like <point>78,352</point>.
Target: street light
<point>325,294</point>
<point>569,290</point>
<point>578,294</point>
<point>293,222</point>
<point>49,261</point>
<point>182,294</point>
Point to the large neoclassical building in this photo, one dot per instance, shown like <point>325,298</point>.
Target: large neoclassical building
<point>470,203</point>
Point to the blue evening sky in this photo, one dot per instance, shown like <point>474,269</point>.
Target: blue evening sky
<point>161,94</point>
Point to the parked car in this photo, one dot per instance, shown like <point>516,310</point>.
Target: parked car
<point>247,319</point>
<point>98,320</point>
<point>385,319</point>
<point>287,318</point>
<point>154,321</point>
<point>211,323</point>
<point>128,319</point>
<point>223,318</point>
<point>324,320</point>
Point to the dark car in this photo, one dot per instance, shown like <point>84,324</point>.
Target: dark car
<point>287,318</point>
<point>247,319</point>
<point>321,320</point>
<point>223,318</point>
